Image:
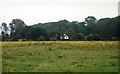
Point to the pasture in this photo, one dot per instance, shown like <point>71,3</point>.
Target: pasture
<point>60,56</point>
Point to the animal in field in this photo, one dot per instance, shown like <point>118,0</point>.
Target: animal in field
<point>50,48</point>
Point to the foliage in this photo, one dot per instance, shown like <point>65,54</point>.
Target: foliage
<point>91,37</point>
<point>90,29</point>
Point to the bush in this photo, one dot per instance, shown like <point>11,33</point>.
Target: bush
<point>41,38</point>
<point>91,37</point>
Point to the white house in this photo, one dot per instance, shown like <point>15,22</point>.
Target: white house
<point>64,37</point>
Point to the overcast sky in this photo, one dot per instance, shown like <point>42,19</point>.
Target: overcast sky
<point>41,11</point>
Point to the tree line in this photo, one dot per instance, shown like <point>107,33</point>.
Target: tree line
<point>89,29</point>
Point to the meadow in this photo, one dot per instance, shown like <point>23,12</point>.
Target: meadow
<point>60,56</point>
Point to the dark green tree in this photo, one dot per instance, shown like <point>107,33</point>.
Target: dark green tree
<point>91,26</point>
<point>37,34</point>
<point>23,32</point>
<point>15,27</point>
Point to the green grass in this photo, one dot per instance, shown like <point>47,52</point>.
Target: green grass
<point>66,56</point>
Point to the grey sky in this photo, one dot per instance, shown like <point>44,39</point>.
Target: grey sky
<point>41,11</point>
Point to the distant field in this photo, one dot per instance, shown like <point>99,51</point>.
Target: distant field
<point>58,56</point>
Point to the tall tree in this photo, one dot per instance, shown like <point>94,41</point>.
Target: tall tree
<point>16,26</point>
<point>90,21</point>
<point>5,28</point>
<point>4,31</point>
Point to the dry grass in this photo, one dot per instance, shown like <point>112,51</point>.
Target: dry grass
<point>64,56</point>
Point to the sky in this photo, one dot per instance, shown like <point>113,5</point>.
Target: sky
<point>42,11</point>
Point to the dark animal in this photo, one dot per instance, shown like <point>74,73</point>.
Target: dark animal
<point>50,48</point>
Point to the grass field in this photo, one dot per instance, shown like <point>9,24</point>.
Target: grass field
<point>58,56</point>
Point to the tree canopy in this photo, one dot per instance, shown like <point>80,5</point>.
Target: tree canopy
<point>89,29</point>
